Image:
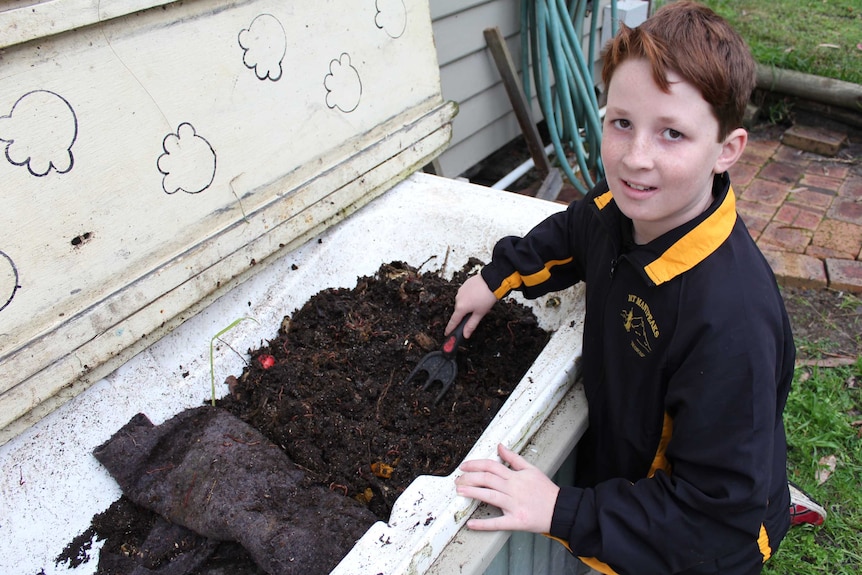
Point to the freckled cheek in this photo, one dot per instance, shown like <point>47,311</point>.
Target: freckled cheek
<point>611,152</point>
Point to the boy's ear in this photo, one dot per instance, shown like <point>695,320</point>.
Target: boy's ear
<point>731,150</point>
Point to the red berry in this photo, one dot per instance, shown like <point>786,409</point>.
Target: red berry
<point>266,361</point>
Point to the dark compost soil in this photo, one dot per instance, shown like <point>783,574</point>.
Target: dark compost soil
<point>335,398</point>
<point>329,390</point>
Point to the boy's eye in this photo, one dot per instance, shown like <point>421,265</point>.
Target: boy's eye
<point>672,134</point>
<point>622,124</point>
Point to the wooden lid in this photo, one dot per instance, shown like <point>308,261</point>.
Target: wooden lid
<point>155,157</point>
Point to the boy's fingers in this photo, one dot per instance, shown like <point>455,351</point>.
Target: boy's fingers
<point>501,523</point>
<point>486,493</point>
<point>471,325</point>
<point>454,319</point>
<point>482,466</point>
<point>514,460</point>
<point>479,465</point>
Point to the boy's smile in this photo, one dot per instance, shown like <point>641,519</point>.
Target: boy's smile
<point>660,150</point>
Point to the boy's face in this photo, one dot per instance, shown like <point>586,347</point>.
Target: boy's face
<point>660,150</point>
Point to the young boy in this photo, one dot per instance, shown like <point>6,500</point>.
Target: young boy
<point>688,354</point>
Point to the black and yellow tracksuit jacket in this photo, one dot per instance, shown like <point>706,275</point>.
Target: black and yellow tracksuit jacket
<point>687,361</point>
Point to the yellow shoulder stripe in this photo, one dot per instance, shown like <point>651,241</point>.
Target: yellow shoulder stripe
<point>598,565</point>
<point>516,280</point>
<point>590,561</point>
<point>562,542</point>
<point>660,461</point>
<point>695,246</point>
<point>763,543</point>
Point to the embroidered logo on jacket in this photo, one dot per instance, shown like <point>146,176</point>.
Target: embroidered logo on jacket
<point>640,325</point>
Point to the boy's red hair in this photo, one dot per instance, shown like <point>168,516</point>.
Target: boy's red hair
<point>699,45</point>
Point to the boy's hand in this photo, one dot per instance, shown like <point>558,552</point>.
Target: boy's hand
<point>524,494</point>
<point>474,296</point>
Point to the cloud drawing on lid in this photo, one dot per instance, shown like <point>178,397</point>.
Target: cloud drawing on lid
<point>39,133</point>
<point>264,44</point>
<point>391,17</point>
<point>189,162</point>
<point>8,280</point>
<point>343,86</point>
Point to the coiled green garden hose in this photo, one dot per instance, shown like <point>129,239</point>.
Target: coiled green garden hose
<point>551,41</point>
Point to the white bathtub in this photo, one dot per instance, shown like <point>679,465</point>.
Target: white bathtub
<point>51,486</point>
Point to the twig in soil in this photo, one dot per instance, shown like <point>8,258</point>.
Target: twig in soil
<point>306,469</point>
<point>432,258</point>
<point>232,325</point>
<point>382,395</point>
<point>230,347</point>
<point>212,488</point>
<point>158,469</point>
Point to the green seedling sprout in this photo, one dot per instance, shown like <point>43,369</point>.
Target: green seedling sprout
<point>232,325</point>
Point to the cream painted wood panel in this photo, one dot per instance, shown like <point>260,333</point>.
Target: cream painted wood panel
<point>24,20</point>
<point>153,160</point>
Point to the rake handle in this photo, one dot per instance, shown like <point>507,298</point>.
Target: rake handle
<point>454,339</point>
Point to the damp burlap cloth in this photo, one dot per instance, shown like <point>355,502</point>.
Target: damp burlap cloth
<point>208,471</point>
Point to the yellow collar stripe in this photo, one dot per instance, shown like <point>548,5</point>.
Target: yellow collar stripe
<point>695,246</point>
<point>603,200</point>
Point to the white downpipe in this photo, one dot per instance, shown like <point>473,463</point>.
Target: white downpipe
<point>519,171</point>
<point>513,176</point>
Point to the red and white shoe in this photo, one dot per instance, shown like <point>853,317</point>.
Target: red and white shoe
<point>803,509</point>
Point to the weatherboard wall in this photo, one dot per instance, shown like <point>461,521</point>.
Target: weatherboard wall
<point>469,76</point>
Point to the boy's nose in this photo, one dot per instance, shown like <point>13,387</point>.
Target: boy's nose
<point>639,153</point>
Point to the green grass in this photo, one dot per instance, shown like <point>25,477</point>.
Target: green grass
<point>818,37</point>
<point>820,416</point>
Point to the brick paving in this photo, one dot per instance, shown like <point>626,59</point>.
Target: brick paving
<point>804,209</point>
